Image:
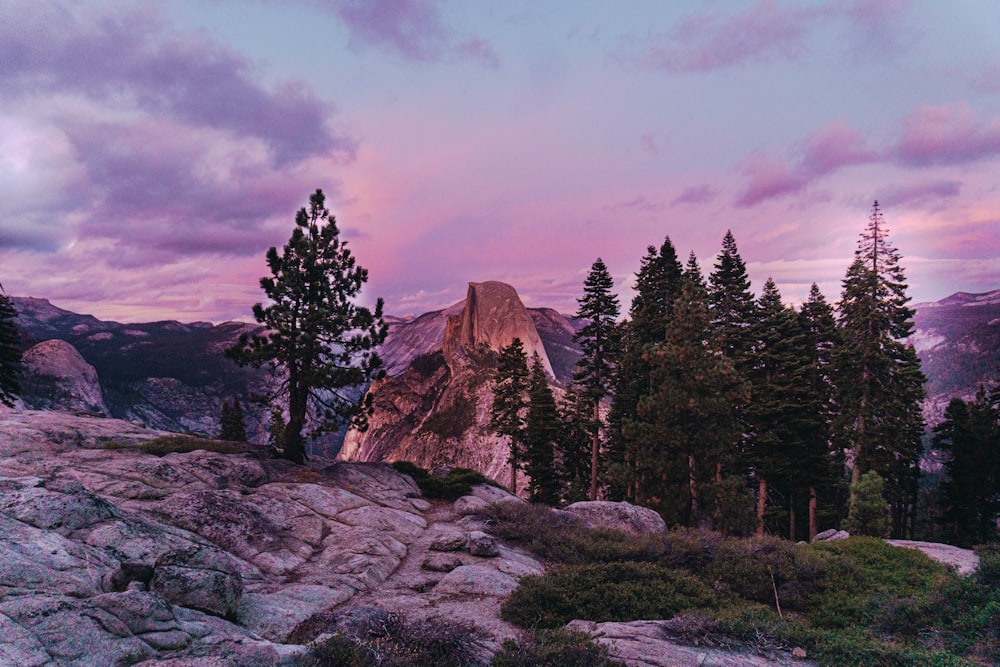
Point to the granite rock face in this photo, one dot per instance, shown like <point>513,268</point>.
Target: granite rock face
<point>621,516</point>
<point>56,377</point>
<point>113,555</point>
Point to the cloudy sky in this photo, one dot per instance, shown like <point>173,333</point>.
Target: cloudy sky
<point>150,153</point>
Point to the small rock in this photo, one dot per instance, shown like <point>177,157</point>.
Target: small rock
<point>471,505</point>
<point>476,580</point>
<point>831,535</point>
<point>482,545</point>
<point>798,653</point>
<point>450,542</point>
<point>441,562</point>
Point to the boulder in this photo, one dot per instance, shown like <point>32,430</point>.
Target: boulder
<point>476,580</point>
<point>451,541</point>
<point>441,562</point>
<point>201,578</point>
<point>482,545</point>
<point>832,535</point>
<point>471,505</point>
<point>621,516</point>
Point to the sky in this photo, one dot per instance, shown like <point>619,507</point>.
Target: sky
<point>151,153</point>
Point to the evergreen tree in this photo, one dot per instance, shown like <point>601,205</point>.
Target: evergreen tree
<point>731,304</point>
<point>573,451</point>
<point>879,382</point>
<point>276,427</point>
<point>692,272</point>
<point>686,426</point>
<point>541,431</point>
<point>869,513</point>
<point>600,346</point>
<point>779,415</point>
<point>816,464</point>
<point>510,403</point>
<point>231,424</point>
<point>658,283</point>
<point>970,434</point>
<point>10,351</point>
<point>323,340</point>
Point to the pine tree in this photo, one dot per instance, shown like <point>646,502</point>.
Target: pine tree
<point>10,352</point>
<point>323,340</point>
<point>970,434</point>
<point>658,283</point>
<point>731,304</point>
<point>599,343</point>
<point>541,432</point>
<point>686,427</point>
<point>879,382</point>
<point>510,403</point>
<point>276,427</point>
<point>231,424</point>
<point>573,451</point>
<point>869,512</point>
<point>817,465</point>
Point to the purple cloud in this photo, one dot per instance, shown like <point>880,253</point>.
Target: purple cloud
<point>637,203</point>
<point>411,29</point>
<point>768,178</point>
<point>696,194</point>
<point>153,144</point>
<point>714,40</point>
<point>918,193</point>
<point>948,134</point>
<point>832,147</point>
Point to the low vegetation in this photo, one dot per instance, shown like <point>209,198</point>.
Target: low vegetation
<point>170,444</point>
<point>455,484</point>
<point>858,602</point>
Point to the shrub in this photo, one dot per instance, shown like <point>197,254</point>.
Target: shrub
<point>988,572</point>
<point>869,513</point>
<point>170,444</point>
<point>457,483</point>
<point>606,592</point>
<point>554,648</point>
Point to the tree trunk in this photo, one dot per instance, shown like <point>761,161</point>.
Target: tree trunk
<point>761,504</point>
<point>513,471</point>
<point>594,447</point>
<point>292,443</point>
<point>692,485</point>
<point>791,517</point>
<point>812,513</point>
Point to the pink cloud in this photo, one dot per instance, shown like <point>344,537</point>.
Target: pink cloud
<point>696,194</point>
<point>832,147</point>
<point>411,29</point>
<point>948,134</point>
<point>714,40</point>
<point>768,178</point>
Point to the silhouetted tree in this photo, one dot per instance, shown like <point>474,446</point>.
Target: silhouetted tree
<point>879,382</point>
<point>508,411</point>
<point>599,343</point>
<point>731,304</point>
<point>10,351</point>
<point>970,434</point>
<point>541,430</point>
<point>231,424</point>
<point>315,331</point>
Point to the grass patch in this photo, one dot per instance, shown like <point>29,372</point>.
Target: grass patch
<point>859,601</point>
<point>170,444</point>
<point>554,648</point>
<point>457,483</point>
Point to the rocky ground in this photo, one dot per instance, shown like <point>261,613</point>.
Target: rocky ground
<point>115,557</point>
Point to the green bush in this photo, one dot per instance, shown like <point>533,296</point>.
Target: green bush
<point>171,444</point>
<point>988,572</point>
<point>557,647</point>
<point>457,483</point>
<point>869,513</point>
<point>606,592</point>
<point>752,568</point>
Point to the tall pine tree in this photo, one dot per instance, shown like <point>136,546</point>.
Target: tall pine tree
<point>658,284</point>
<point>599,343</point>
<point>541,431</point>
<point>880,384</point>
<point>731,304</point>
<point>510,402</point>
<point>10,351</point>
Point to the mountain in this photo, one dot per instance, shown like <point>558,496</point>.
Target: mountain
<point>436,411</point>
<point>167,375</point>
<point>958,342</point>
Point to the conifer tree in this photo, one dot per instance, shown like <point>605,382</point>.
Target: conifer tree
<point>599,343</point>
<point>316,332</point>
<point>541,432</point>
<point>879,382</point>
<point>869,512</point>
<point>970,434</point>
<point>10,351</point>
<point>231,424</point>
<point>817,465</point>
<point>276,427</point>
<point>510,403</point>
<point>686,425</point>
<point>658,283</point>
<point>573,451</point>
<point>731,304</point>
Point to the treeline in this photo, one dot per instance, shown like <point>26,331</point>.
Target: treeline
<point>732,411</point>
